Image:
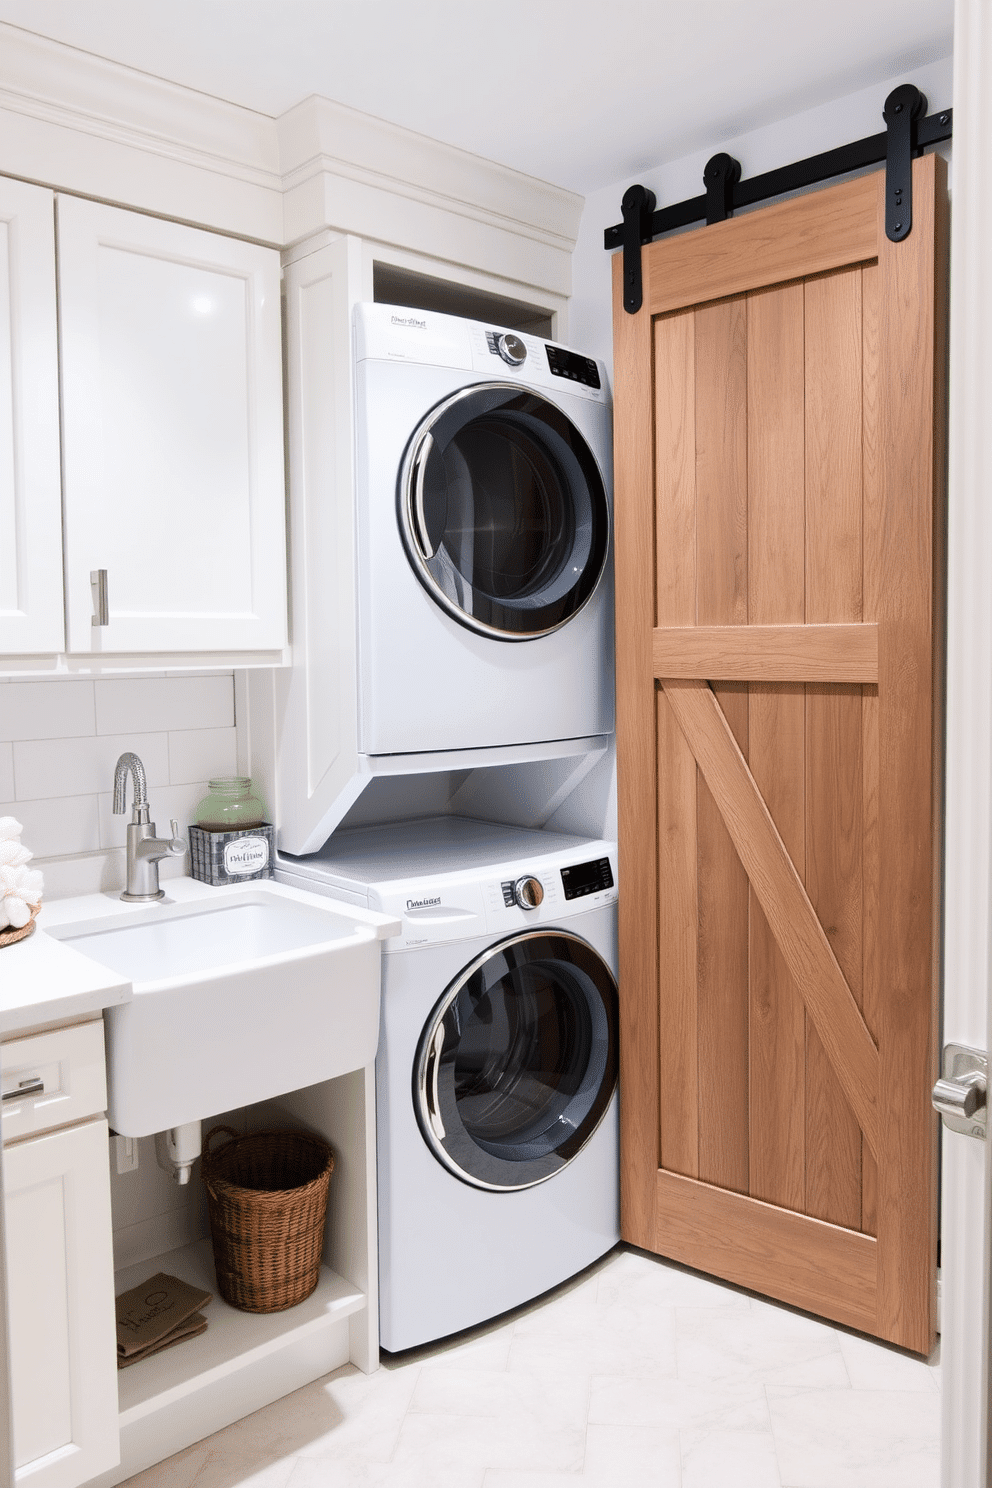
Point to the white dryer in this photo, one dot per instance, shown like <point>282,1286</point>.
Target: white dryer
<point>498,1165</point>
<point>484,536</point>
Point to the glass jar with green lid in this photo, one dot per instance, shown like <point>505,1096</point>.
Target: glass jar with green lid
<point>231,804</point>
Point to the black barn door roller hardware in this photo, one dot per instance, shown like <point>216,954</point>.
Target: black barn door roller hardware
<point>908,132</point>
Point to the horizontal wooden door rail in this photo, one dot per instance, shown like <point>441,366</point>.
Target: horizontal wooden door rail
<point>769,1250</point>
<point>768,653</point>
<point>791,917</point>
<point>813,234</point>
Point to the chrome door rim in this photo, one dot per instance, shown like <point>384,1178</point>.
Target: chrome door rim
<point>413,525</point>
<point>431,1045</point>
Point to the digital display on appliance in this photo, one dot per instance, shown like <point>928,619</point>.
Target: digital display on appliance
<point>586,878</point>
<point>576,368</point>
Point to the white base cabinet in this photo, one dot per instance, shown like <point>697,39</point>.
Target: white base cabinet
<point>61,1306</point>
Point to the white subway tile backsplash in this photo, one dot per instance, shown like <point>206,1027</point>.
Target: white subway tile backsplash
<point>60,740</point>
<point>166,802</point>
<point>75,767</point>
<point>200,754</point>
<point>57,826</point>
<point>148,704</point>
<point>62,709</point>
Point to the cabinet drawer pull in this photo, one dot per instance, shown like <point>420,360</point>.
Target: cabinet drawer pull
<point>26,1087</point>
<point>101,604</point>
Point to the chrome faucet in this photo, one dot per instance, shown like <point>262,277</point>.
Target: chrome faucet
<point>144,848</point>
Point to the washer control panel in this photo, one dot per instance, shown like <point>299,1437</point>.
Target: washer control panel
<point>576,368</point>
<point>579,879</point>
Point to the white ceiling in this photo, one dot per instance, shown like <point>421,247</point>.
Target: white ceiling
<point>578,92</point>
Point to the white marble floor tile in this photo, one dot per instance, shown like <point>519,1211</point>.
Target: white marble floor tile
<point>348,1413</point>
<point>876,1366</point>
<point>856,1438</point>
<point>766,1345</point>
<point>226,1469</point>
<point>676,1405</point>
<point>591,1339</point>
<point>179,1471</point>
<point>484,1348</point>
<point>639,1280</point>
<point>479,1442</point>
<point>347,1473</point>
<point>548,1399</point>
<point>620,1456</point>
<point>745,1459</point>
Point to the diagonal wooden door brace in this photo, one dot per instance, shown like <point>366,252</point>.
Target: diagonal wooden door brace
<point>793,921</point>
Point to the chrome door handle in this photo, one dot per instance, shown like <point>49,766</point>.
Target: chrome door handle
<point>431,1073</point>
<point>961,1094</point>
<point>421,535</point>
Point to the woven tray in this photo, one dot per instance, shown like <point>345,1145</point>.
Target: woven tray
<point>267,1203</point>
<point>11,937</point>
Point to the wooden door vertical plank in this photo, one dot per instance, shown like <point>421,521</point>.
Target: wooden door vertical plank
<point>722,889</point>
<point>675,528</point>
<point>776,730</point>
<point>636,745</point>
<point>908,331</point>
<point>870,308</point>
<point>834,570</point>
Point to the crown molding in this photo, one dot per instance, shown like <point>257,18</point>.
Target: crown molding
<point>77,122</point>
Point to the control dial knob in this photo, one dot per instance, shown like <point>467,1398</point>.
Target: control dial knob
<point>528,892</point>
<point>512,350</point>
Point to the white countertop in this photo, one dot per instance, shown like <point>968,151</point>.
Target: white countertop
<point>42,980</point>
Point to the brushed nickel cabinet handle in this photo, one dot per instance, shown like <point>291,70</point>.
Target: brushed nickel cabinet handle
<point>101,605</point>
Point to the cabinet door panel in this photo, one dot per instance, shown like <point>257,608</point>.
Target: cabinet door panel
<point>31,615</point>
<point>172,425</point>
<point>61,1306</point>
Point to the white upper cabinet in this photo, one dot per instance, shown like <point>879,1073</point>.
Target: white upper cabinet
<point>31,618</point>
<point>172,435</point>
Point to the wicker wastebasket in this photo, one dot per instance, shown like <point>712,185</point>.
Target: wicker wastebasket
<point>267,1203</point>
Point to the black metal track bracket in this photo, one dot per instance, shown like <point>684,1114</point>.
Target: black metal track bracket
<point>904,107</point>
<point>637,206</point>
<point>908,133</point>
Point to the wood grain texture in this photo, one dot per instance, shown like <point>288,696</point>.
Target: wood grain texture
<point>769,1249</point>
<point>808,235</point>
<point>870,478</point>
<point>833,715</point>
<point>783,898</point>
<point>722,891</point>
<point>908,333</point>
<point>768,653</point>
<point>776,723</point>
<point>675,600</point>
<point>638,912</point>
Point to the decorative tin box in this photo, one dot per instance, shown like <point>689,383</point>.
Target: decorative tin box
<point>231,857</point>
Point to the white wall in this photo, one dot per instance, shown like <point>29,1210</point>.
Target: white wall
<point>679,177</point>
<point>59,743</point>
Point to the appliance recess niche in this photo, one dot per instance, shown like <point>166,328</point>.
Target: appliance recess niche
<point>304,720</point>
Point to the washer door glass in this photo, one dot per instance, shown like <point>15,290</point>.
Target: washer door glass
<point>518,1061</point>
<point>503,511</point>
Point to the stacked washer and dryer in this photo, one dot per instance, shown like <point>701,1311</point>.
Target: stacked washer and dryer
<point>484,618</point>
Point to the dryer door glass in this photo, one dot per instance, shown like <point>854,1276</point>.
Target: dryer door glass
<point>518,1062</point>
<point>503,511</point>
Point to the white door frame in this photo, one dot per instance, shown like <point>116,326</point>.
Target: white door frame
<point>968,840</point>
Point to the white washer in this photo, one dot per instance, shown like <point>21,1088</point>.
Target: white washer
<point>498,1153</point>
<point>484,499</point>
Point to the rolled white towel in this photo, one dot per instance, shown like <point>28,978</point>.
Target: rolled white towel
<point>10,828</point>
<point>20,892</point>
<point>13,854</point>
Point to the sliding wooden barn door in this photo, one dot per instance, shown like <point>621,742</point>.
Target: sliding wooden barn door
<point>777,470</point>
